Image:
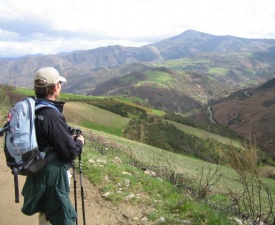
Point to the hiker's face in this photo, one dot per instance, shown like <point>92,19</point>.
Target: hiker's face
<point>57,89</point>
<point>59,85</point>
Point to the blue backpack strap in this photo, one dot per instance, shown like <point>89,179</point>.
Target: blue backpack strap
<point>31,103</point>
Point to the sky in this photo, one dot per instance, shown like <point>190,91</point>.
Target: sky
<point>30,27</point>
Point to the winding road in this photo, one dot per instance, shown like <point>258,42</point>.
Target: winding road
<point>211,114</point>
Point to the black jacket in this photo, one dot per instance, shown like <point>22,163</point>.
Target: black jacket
<point>52,131</point>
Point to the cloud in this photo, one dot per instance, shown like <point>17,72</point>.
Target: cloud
<point>25,27</point>
<point>67,25</point>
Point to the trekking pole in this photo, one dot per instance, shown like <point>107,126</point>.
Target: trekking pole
<point>16,185</point>
<point>82,189</point>
<point>75,194</point>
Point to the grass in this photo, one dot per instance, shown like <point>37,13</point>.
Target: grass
<point>158,157</point>
<point>180,164</point>
<point>64,96</point>
<point>161,197</point>
<point>182,62</point>
<point>126,98</point>
<point>128,79</point>
<point>110,130</point>
<point>157,112</point>
<point>218,71</point>
<point>95,118</point>
<point>204,134</point>
<point>157,78</point>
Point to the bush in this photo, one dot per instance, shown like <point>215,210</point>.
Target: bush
<point>254,201</point>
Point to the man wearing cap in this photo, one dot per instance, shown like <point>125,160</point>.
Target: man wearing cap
<point>47,193</point>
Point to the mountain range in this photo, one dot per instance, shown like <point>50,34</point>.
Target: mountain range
<point>179,74</point>
<point>241,60</point>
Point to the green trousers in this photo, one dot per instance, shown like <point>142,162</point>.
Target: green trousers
<point>48,193</point>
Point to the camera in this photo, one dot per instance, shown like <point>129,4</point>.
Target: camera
<point>74,131</point>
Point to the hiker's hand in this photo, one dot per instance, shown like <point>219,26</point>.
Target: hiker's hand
<point>81,138</point>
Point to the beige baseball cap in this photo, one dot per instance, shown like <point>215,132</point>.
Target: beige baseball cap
<point>49,75</point>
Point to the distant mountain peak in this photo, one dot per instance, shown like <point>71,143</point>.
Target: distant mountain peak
<point>194,32</point>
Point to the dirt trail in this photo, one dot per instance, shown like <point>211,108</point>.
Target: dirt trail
<point>98,210</point>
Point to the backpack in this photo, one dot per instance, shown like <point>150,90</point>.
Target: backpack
<point>21,147</point>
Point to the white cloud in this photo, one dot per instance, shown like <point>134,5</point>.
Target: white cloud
<point>67,25</point>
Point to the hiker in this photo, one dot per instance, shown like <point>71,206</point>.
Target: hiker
<point>47,193</point>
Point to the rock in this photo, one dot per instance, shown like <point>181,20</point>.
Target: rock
<point>91,161</point>
<point>238,221</point>
<point>161,220</point>
<point>98,162</point>
<point>127,173</point>
<point>150,172</point>
<point>127,183</point>
<point>144,219</point>
<point>106,194</point>
<point>186,222</point>
<point>160,179</point>
<point>117,160</point>
<point>101,161</point>
<point>107,178</point>
<point>129,197</point>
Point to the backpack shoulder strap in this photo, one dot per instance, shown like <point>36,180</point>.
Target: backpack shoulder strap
<point>31,105</point>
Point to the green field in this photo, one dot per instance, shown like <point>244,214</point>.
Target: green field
<point>92,117</point>
<point>30,92</point>
<point>156,78</point>
<point>204,134</point>
<point>218,71</point>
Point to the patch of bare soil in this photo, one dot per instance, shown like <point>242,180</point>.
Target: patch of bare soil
<point>98,211</point>
<point>250,117</point>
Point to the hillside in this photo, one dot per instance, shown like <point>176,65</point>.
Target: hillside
<point>165,89</point>
<point>121,116</point>
<point>249,112</point>
<point>240,69</point>
<point>177,206</point>
<point>140,184</point>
